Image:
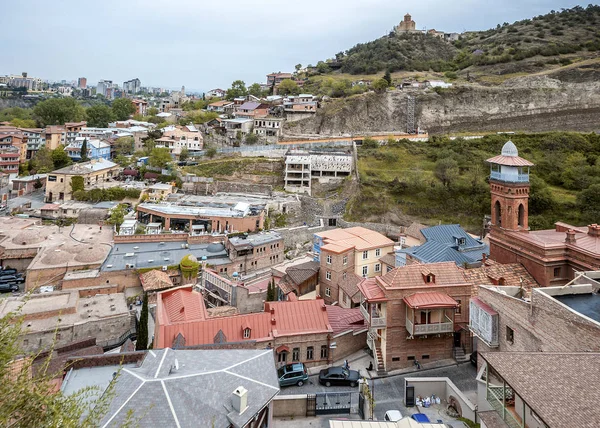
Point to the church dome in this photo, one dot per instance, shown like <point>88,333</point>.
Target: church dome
<point>215,247</point>
<point>509,149</point>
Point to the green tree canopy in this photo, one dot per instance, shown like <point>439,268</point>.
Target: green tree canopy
<point>388,77</point>
<point>152,111</point>
<point>122,108</point>
<point>446,170</point>
<point>238,89</point>
<point>589,204</point>
<point>124,146</point>
<point>42,162</point>
<point>288,87</point>
<point>185,153</point>
<point>117,215</point>
<point>160,157</point>
<point>99,116</point>
<point>77,183</point>
<point>84,151</point>
<point>380,85</point>
<point>60,157</point>
<point>141,343</point>
<point>57,111</point>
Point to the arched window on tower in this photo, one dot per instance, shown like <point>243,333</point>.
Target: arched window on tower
<point>521,215</point>
<point>498,213</point>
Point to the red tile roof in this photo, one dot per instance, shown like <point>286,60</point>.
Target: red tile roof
<point>344,319</point>
<point>181,305</point>
<point>353,237</point>
<point>155,280</point>
<point>445,273</point>
<point>371,290</point>
<point>491,272</point>
<point>430,300</point>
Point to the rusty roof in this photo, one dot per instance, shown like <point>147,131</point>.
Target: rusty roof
<point>534,376</point>
<point>345,319</point>
<point>430,300</point>
<point>359,238</point>
<point>491,272</point>
<point>155,280</point>
<point>444,273</point>
<point>350,286</point>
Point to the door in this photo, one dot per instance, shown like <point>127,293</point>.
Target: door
<point>457,342</point>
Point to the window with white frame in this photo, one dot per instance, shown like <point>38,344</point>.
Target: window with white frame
<point>378,252</point>
<point>246,333</point>
<point>377,267</point>
<point>365,271</point>
<point>345,260</point>
<point>328,292</point>
<point>328,276</point>
<point>365,255</point>
<point>328,259</point>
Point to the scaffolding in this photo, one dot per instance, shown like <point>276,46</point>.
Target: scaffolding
<point>410,115</point>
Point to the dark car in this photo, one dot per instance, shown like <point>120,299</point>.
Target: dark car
<point>338,376</point>
<point>6,287</point>
<point>8,271</point>
<point>12,278</point>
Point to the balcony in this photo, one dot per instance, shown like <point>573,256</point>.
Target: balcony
<point>375,319</point>
<point>415,329</point>
<point>510,178</point>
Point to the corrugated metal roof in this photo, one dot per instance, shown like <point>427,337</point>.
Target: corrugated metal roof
<point>509,161</point>
<point>430,300</point>
<point>414,275</point>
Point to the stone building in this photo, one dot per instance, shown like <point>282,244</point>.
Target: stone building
<point>60,318</point>
<point>301,167</point>
<point>344,252</point>
<point>416,313</point>
<point>553,256</point>
<point>407,25</point>
<point>255,252</point>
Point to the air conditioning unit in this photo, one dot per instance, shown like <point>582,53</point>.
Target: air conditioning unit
<point>129,266</point>
<point>164,268</point>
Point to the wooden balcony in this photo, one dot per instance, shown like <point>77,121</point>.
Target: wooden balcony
<point>431,328</point>
<point>375,319</point>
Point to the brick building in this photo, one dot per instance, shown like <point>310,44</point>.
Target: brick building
<point>549,319</point>
<point>416,313</point>
<point>551,256</point>
<point>342,252</point>
<point>252,252</point>
<point>300,331</point>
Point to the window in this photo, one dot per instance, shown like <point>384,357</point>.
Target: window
<point>429,278</point>
<point>344,275</point>
<point>310,353</point>
<point>345,260</point>
<point>410,358</point>
<point>462,241</point>
<point>365,255</point>
<point>365,271</point>
<point>328,260</point>
<point>510,335</point>
<point>377,267</point>
<point>557,272</point>
<point>282,357</point>
<point>459,307</point>
<point>52,178</point>
<point>246,333</point>
<point>388,269</point>
<point>378,252</point>
<point>324,352</point>
<point>296,354</point>
<point>328,276</point>
<point>328,292</point>
<point>425,356</point>
<point>395,358</point>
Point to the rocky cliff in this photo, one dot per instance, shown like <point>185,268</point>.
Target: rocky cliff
<point>532,103</point>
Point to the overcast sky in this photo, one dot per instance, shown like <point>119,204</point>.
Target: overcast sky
<point>206,44</point>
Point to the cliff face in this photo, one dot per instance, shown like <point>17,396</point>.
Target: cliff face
<point>534,103</point>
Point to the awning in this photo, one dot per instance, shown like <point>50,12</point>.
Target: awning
<point>430,300</point>
<point>281,349</point>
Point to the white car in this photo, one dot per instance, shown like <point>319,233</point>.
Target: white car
<point>392,416</point>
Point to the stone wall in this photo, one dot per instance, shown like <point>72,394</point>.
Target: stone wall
<point>289,406</point>
<point>210,188</point>
<point>349,343</point>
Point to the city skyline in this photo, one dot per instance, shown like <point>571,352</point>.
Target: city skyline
<point>209,46</point>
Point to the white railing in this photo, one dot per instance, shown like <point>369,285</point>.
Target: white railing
<point>511,178</point>
<point>378,322</point>
<point>409,326</point>
<point>365,314</point>
<point>416,329</point>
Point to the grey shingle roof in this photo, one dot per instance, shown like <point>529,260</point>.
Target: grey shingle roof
<point>196,393</point>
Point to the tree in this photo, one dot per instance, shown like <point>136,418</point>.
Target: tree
<point>322,67</point>
<point>160,157</point>
<point>42,162</point>
<point>380,85</point>
<point>251,138</point>
<point>29,394</point>
<point>152,111</point>
<point>57,111</point>
<point>589,204</point>
<point>84,151</point>
<point>298,67</point>
<point>288,87</point>
<point>38,184</point>
<point>141,343</point>
<point>255,90</point>
<point>185,153</point>
<point>446,170</point>
<point>23,123</point>
<point>122,108</point>
<point>211,152</point>
<point>124,146</point>
<point>117,214</point>
<point>238,89</point>
<point>77,183</point>
<point>99,116</point>
<point>271,291</point>
<point>388,77</point>
<point>60,158</point>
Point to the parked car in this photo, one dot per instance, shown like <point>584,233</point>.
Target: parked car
<point>392,416</point>
<point>12,278</point>
<point>7,287</point>
<point>421,418</point>
<point>8,271</point>
<point>292,374</point>
<point>339,376</point>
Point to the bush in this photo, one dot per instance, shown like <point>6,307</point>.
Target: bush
<point>110,194</point>
<point>451,75</point>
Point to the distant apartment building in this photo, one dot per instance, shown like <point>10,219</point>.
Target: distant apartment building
<point>251,110</point>
<point>177,138</point>
<point>36,139</point>
<point>96,149</point>
<point>104,88</point>
<point>132,86</point>
<point>22,81</point>
<point>274,79</point>
<point>416,313</point>
<point>270,128</point>
<point>303,103</point>
<point>72,130</point>
<point>14,143</point>
<point>346,252</point>
<point>58,185</point>
<point>216,93</point>
<point>55,135</point>
<point>141,107</point>
<point>82,83</point>
<point>221,106</point>
<point>301,167</point>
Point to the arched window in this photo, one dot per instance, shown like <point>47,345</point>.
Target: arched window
<point>498,213</point>
<point>521,215</point>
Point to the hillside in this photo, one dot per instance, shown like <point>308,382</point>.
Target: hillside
<point>549,38</point>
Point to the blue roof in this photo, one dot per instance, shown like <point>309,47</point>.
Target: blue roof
<point>443,246</point>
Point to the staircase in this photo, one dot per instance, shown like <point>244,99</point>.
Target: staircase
<point>379,362</point>
<point>459,355</point>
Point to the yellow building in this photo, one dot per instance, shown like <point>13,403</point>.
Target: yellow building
<point>55,136</point>
<point>95,172</point>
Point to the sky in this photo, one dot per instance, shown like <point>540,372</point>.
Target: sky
<point>203,44</point>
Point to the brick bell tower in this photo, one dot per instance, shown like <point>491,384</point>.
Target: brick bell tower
<point>509,186</point>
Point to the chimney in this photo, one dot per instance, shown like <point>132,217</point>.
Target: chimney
<point>239,399</point>
<point>594,230</point>
<point>570,239</point>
